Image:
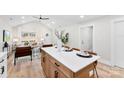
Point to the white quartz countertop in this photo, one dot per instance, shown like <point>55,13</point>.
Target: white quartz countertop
<point>70,59</point>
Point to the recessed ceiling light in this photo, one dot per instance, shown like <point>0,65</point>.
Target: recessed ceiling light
<point>53,22</point>
<point>81,16</point>
<point>22,17</point>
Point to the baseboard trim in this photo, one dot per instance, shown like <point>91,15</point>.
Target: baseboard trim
<point>106,62</point>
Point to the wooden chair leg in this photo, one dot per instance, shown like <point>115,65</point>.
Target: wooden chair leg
<point>95,71</point>
<point>14,61</point>
<point>31,57</point>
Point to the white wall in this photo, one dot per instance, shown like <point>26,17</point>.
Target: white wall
<point>37,27</point>
<point>101,36</point>
<point>73,35</point>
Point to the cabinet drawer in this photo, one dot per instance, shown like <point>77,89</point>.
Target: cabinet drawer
<point>61,67</point>
<point>54,72</point>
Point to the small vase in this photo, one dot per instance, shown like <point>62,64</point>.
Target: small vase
<point>59,45</point>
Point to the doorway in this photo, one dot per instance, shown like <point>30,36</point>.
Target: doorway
<point>86,35</point>
<point>118,43</point>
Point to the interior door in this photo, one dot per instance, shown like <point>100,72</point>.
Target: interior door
<point>86,35</point>
<point>119,43</point>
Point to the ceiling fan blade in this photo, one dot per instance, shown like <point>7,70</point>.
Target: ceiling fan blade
<point>45,18</point>
<point>35,17</point>
<point>41,18</point>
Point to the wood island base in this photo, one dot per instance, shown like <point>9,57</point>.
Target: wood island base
<point>54,69</point>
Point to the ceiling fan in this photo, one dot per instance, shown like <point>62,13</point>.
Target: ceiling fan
<point>41,18</point>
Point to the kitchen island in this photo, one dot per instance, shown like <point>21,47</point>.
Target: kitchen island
<point>63,64</point>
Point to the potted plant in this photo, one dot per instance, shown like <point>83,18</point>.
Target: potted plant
<point>26,43</point>
<point>65,38</point>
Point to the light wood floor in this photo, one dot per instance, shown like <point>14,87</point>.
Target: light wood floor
<point>33,69</point>
<point>105,71</point>
<point>29,69</point>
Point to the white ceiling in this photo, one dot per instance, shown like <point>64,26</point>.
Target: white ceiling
<point>63,20</point>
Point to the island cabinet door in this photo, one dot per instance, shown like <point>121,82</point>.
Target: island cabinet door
<point>43,60</point>
<point>45,65</point>
<point>54,72</point>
